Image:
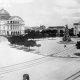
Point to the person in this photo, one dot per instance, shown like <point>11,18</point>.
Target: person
<point>64,45</point>
<point>26,77</point>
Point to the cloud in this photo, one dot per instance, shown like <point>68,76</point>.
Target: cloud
<point>66,3</point>
<point>55,10</point>
<point>49,11</point>
<point>16,1</point>
<point>67,9</point>
<point>9,3</point>
<point>44,11</point>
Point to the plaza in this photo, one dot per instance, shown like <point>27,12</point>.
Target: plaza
<point>48,62</point>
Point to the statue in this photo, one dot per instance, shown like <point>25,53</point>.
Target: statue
<point>66,37</point>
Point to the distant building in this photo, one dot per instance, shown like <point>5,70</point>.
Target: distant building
<point>10,25</point>
<point>76,28</point>
<point>58,28</point>
<point>37,28</point>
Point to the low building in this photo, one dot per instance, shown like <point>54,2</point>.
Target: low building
<point>37,28</point>
<point>76,28</point>
<point>10,25</point>
<point>58,28</point>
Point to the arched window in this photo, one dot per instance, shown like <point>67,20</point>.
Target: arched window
<point>18,33</point>
<point>10,21</point>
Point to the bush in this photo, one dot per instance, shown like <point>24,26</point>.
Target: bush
<point>16,39</point>
<point>30,43</point>
<point>21,40</point>
<point>77,54</point>
<point>78,45</point>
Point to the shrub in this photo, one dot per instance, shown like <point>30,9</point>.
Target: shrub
<point>77,54</point>
<point>78,45</point>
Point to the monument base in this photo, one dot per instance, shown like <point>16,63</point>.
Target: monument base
<point>67,42</point>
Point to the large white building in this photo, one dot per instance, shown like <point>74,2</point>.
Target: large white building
<point>10,25</point>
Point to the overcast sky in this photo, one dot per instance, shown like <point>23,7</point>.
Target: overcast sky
<point>46,12</point>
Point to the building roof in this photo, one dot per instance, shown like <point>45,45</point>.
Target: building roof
<point>56,27</point>
<point>76,23</point>
<point>3,11</point>
<point>4,15</point>
<point>16,18</point>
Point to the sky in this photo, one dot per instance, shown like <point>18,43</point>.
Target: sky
<point>44,12</point>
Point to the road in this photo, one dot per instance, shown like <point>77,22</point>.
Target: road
<point>40,68</point>
<point>47,68</point>
<point>75,76</point>
<point>27,64</point>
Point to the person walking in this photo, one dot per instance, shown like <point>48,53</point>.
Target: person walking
<point>26,77</point>
<point>64,45</point>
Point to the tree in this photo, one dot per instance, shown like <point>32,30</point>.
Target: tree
<point>61,33</point>
<point>71,32</point>
<point>31,34</point>
<point>78,34</point>
<point>18,40</point>
<point>78,45</point>
<point>30,43</point>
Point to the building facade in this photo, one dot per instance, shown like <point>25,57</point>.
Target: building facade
<point>38,28</point>
<point>58,28</point>
<point>76,28</point>
<point>10,25</point>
